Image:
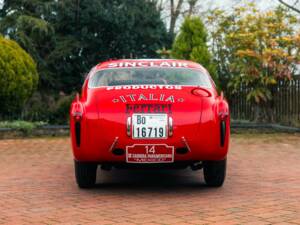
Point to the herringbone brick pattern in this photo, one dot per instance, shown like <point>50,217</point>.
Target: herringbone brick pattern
<point>263,187</point>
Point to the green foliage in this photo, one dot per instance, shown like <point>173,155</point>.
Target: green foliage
<point>20,125</point>
<point>191,44</point>
<point>49,108</point>
<point>100,30</point>
<point>23,22</point>
<point>18,76</point>
<point>254,49</point>
<point>60,112</point>
<point>66,38</point>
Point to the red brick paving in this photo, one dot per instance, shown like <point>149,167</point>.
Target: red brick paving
<point>263,187</point>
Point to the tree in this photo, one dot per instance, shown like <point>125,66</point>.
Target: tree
<point>68,37</point>
<point>100,30</point>
<point>23,22</point>
<point>254,50</point>
<point>191,44</point>
<point>18,76</point>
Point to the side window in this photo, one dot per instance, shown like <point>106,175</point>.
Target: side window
<point>93,80</point>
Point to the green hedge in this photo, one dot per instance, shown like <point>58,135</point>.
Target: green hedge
<point>18,76</point>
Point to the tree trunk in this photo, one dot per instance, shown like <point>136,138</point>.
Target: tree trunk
<point>192,4</point>
<point>175,11</point>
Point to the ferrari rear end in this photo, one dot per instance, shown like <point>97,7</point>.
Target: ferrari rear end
<point>149,113</point>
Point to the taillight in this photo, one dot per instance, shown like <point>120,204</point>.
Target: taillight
<point>77,113</point>
<point>77,109</point>
<point>223,111</point>
<point>201,92</point>
<point>77,116</point>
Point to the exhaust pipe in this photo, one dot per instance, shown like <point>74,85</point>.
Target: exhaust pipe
<point>197,166</point>
<point>118,151</point>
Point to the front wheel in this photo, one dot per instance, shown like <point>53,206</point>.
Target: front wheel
<point>85,174</point>
<point>214,172</point>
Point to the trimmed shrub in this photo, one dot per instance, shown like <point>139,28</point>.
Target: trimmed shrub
<point>18,77</point>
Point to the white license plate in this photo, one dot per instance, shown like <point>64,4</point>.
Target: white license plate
<point>149,125</point>
<point>156,153</point>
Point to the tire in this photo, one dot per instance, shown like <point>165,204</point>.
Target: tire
<point>214,172</point>
<point>85,174</point>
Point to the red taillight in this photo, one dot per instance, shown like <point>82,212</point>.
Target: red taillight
<point>201,92</point>
<point>77,116</point>
<point>223,110</point>
<point>77,109</point>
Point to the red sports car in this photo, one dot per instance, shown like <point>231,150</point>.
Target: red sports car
<point>157,113</point>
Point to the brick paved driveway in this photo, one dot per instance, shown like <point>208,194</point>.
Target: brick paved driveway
<point>263,187</point>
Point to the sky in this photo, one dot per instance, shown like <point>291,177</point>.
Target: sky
<point>263,4</point>
<point>228,3</point>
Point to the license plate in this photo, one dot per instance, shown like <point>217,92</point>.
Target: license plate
<point>149,126</point>
<point>158,153</point>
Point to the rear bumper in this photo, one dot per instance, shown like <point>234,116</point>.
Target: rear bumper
<point>203,140</point>
<point>103,152</point>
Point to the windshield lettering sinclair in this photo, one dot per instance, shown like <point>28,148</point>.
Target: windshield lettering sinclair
<point>148,64</point>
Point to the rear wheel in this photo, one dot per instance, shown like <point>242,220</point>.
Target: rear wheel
<point>85,174</point>
<point>214,172</point>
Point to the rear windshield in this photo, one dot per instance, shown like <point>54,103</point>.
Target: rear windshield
<point>160,76</point>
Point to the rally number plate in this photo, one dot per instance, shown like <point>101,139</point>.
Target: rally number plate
<point>146,126</point>
<point>157,153</point>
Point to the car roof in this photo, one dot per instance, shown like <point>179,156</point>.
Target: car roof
<point>142,63</point>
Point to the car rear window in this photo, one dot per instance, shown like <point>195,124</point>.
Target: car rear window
<point>159,76</point>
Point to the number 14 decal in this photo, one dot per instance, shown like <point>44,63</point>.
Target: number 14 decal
<point>150,149</point>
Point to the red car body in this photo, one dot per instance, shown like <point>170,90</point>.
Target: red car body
<point>196,118</point>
